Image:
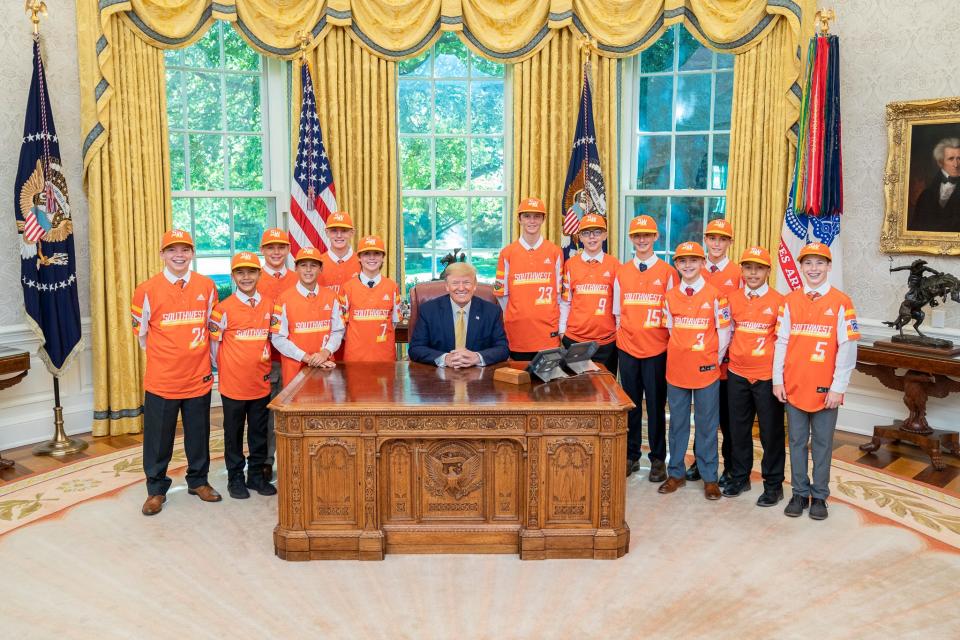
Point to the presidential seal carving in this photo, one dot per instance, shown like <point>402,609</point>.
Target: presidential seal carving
<point>454,470</point>
<point>45,210</point>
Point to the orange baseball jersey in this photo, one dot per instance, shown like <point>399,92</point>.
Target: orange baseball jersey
<point>336,270</point>
<point>371,314</point>
<point>530,281</point>
<point>586,311</point>
<point>725,280</point>
<point>171,322</point>
<point>638,301</point>
<point>272,286</point>
<point>699,333</point>
<point>243,353</point>
<point>754,322</point>
<point>309,324</point>
<point>810,333</point>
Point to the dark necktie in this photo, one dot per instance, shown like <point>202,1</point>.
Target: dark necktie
<point>950,179</point>
<point>370,283</point>
<point>689,291</point>
<point>753,295</point>
<point>714,268</point>
<point>813,295</point>
<point>277,275</point>
<point>593,261</point>
<point>310,295</point>
<point>181,283</point>
<point>642,267</point>
<point>251,302</point>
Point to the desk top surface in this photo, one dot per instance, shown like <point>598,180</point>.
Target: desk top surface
<point>413,385</point>
<point>872,354</point>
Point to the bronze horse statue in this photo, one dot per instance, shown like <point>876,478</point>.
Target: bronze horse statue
<point>923,290</point>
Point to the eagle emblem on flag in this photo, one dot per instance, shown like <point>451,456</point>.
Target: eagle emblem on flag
<point>45,209</point>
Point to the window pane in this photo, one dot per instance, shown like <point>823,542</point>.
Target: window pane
<point>692,55</point>
<point>219,270</point>
<point>486,222</point>
<point>173,57</point>
<point>237,53</point>
<point>175,111</point>
<point>693,102</point>
<point>656,98</point>
<point>243,103</point>
<point>480,66</point>
<point>451,163</point>
<point>691,167</point>
<point>450,115</point>
<point>417,228</point>
<point>486,264</point>
<point>724,61</point>
<point>417,267</point>
<point>205,53</point>
<point>204,110</point>
<point>181,213</point>
<point>212,223</point>
<point>452,231</point>
<point>656,208</point>
<point>686,221</point>
<point>659,56</point>
<point>250,218</point>
<point>415,163</point>
<point>486,107</point>
<point>716,208</point>
<point>486,164</point>
<point>419,66</point>
<point>414,107</point>
<point>451,57</point>
<point>206,162</point>
<point>246,162</point>
<point>177,172</point>
<point>723,102</point>
<point>721,158</point>
<point>653,162</point>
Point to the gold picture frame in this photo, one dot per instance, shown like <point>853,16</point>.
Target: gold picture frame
<point>913,130</point>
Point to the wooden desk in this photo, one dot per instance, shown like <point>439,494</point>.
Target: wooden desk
<point>378,458</point>
<point>14,366</point>
<point>924,376</point>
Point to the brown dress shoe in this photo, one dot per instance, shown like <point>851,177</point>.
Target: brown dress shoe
<point>206,493</point>
<point>711,490</point>
<point>153,505</point>
<point>671,485</point>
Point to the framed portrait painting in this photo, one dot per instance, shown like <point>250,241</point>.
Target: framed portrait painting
<point>922,179</point>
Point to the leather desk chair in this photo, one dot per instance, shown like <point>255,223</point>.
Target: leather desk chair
<point>425,291</point>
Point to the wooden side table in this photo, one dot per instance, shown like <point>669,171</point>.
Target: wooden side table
<point>923,376</point>
<point>16,363</point>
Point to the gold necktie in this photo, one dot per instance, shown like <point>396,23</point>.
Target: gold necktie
<point>460,331</point>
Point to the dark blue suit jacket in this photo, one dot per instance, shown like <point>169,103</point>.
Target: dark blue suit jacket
<point>433,334</point>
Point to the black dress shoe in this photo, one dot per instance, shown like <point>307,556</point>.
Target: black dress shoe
<point>268,472</point>
<point>796,506</point>
<point>693,473</point>
<point>632,466</point>
<point>770,497</point>
<point>236,488</point>
<point>733,488</point>
<point>724,479</point>
<point>818,509</point>
<point>658,471</point>
<point>256,482</point>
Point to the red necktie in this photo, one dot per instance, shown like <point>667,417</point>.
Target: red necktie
<point>277,275</point>
<point>311,294</point>
<point>593,261</point>
<point>753,295</point>
<point>251,302</point>
<point>813,295</point>
<point>713,268</point>
<point>689,291</point>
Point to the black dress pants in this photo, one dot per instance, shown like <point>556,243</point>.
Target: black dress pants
<point>747,400</point>
<point>160,427</point>
<point>645,379</point>
<point>606,354</point>
<point>235,413</point>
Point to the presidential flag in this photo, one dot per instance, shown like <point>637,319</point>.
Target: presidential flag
<point>815,199</point>
<point>584,190</point>
<point>312,194</point>
<point>48,265</point>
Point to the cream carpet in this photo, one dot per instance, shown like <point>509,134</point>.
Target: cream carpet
<point>696,569</point>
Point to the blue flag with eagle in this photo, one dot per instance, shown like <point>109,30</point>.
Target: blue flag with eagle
<point>48,266</point>
<point>584,191</point>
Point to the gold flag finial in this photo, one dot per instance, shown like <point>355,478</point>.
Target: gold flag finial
<point>303,39</point>
<point>823,18</point>
<point>35,8</point>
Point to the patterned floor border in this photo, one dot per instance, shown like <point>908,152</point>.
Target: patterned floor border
<point>913,505</point>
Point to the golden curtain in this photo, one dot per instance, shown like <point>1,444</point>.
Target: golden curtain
<point>128,189</point>
<point>546,98</point>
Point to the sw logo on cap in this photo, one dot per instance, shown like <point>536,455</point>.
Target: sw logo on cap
<point>532,203</point>
<point>370,242</point>
<point>176,233</point>
<point>755,252</point>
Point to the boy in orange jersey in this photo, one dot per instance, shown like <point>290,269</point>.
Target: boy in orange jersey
<point>753,320</point>
<point>529,273</point>
<point>371,306</point>
<point>816,351</point>
<point>724,275</point>
<point>308,318</point>
<point>698,318</point>
<point>170,315</point>
<point>340,263</point>
<point>240,328</point>
<point>586,306</point>
<point>276,278</point>
<point>638,292</point>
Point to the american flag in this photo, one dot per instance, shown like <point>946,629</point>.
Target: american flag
<point>312,194</point>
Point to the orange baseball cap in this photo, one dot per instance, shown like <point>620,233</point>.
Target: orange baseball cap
<point>685,249</point>
<point>339,220</point>
<point>532,205</point>
<point>719,227</point>
<point>274,236</point>
<point>756,254</point>
<point>371,243</point>
<point>245,259</point>
<point>642,224</point>
<point>815,249</point>
<point>592,221</point>
<point>308,253</point>
<point>175,236</point>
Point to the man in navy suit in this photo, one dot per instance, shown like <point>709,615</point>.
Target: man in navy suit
<point>458,330</point>
<point>938,206</point>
